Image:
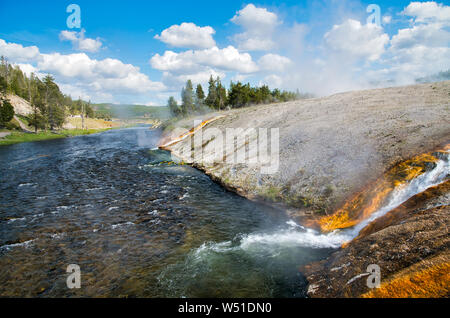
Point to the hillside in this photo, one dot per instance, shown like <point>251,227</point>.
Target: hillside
<point>21,106</point>
<point>330,147</point>
<point>343,160</point>
<point>131,111</point>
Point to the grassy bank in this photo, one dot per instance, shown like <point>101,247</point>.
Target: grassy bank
<point>18,137</point>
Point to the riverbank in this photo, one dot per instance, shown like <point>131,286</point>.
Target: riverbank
<point>17,137</point>
<point>340,159</point>
<point>330,148</point>
<point>410,246</point>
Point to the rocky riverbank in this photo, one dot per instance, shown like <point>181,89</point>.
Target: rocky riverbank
<point>329,148</point>
<point>410,244</point>
<point>333,149</point>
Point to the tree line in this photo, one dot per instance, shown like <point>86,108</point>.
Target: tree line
<point>50,106</point>
<point>219,98</point>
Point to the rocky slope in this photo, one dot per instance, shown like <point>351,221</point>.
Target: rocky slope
<point>21,106</point>
<point>410,244</point>
<point>332,152</point>
<point>329,148</point>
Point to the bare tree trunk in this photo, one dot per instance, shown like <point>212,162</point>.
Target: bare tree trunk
<point>82,115</point>
<point>30,97</point>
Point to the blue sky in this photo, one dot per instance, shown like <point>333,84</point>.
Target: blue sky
<point>121,54</point>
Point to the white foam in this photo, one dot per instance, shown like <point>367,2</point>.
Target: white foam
<point>273,243</point>
<point>114,226</point>
<point>12,220</point>
<point>293,238</point>
<point>297,236</point>
<point>26,185</point>
<point>22,244</point>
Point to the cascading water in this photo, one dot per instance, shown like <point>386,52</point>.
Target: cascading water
<point>402,193</point>
<point>291,242</point>
<point>298,235</point>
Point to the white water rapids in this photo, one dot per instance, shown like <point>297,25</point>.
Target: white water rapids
<point>294,235</point>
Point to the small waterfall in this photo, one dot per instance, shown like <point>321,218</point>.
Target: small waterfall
<point>406,191</point>
<point>294,235</point>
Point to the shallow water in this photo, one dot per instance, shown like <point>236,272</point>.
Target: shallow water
<point>139,227</point>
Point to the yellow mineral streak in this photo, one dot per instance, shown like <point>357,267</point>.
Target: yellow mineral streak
<point>371,199</point>
<point>432,282</point>
<point>193,130</point>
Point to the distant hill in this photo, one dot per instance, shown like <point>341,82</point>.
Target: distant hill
<point>439,77</point>
<point>131,111</point>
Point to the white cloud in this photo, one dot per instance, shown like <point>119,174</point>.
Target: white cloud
<point>430,35</point>
<point>273,81</point>
<point>27,69</point>
<point>188,35</point>
<point>357,40</point>
<point>249,43</point>
<point>421,50</point>
<point>387,19</point>
<point>274,62</point>
<point>79,75</point>
<point>239,78</point>
<point>80,42</point>
<point>18,53</point>
<point>252,17</point>
<point>109,74</point>
<point>259,25</point>
<point>228,58</point>
<point>428,12</point>
<point>201,77</point>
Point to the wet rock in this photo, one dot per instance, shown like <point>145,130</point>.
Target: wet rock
<point>408,241</point>
<point>331,147</point>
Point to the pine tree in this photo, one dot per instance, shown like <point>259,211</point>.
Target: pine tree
<point>173,107</point>
<point>212,93</point>
<point>3,85</point>
<point>221,95</point>
<point>199,98</point>
<point>187,96</point>
<point>6,111</point>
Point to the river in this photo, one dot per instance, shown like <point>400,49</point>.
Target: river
<point>138,226</point>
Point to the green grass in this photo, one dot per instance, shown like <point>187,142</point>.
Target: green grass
<point>18,137</point>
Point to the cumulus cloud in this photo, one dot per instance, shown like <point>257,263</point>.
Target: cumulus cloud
<point>80,42</point>
<point>108,74</point>
<point>17,52</point>
<point>259,25</point>
<point>80,75</point>
<point>422,49</point>
<point>199,65</point>
<point>272,81</point>
<point>228,58</point>
<point>28,69</point>
<point>200,77</point>
<point>387,19</point>
<point>429,35</point>
<point>274,62</point>
<point>428,12</point>
<point>357,40</point>
<point>188,35</point>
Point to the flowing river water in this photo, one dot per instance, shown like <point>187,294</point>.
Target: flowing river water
<point>139,226</point>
